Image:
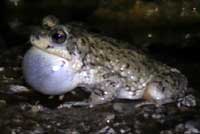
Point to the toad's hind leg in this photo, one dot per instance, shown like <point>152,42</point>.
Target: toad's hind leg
<point>166,88</point>
<point>155,92</point>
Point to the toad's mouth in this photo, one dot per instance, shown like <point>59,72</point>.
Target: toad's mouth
<point>57,52</point>
<point>43,44</point>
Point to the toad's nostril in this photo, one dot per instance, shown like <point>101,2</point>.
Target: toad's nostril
<point>32,38</point>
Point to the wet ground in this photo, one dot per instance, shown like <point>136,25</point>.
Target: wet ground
<point>33,113</point>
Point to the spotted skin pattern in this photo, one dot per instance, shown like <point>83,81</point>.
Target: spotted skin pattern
<point>107,69</point>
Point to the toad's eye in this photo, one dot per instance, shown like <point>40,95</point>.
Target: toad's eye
<point>58,36</point>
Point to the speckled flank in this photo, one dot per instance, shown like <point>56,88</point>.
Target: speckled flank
<point>108,70</point>
<point>132,70</point>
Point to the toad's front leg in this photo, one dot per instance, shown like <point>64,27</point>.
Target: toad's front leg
<point>100,93</point>
<point>100,96</point>
<point>97,96</point>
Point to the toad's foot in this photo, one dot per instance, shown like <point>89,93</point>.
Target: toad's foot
<point>187,101</point>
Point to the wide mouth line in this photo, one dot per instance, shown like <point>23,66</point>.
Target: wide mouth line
<point>52,53</point>
<point>43,50</point>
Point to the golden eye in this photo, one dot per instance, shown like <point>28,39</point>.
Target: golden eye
<point>58,36</point>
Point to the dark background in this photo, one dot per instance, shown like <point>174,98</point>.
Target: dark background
<point>169,30</point>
